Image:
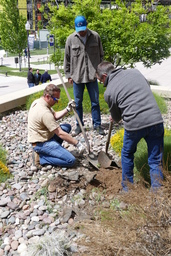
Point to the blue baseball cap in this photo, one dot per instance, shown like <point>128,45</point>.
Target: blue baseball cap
<point>80,23</point>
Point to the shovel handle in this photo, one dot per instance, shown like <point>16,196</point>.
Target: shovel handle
<point>74,110</point>
<point>108,137</point>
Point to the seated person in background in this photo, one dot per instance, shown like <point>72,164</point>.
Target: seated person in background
<point>46,134</point>
<point>37,77</point>
<point>45,77</point>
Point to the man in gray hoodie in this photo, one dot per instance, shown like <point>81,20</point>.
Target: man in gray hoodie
<point>130,98</point>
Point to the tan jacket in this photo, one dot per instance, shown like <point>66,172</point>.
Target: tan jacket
<point>81,61</point>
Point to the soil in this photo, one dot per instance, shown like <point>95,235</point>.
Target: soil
<point>136,223</point>
<point>117,223</point>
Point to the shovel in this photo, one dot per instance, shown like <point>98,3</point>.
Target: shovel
<point>103,160</point>
<point>74,110</point>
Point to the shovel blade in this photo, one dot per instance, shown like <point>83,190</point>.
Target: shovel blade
<point>105,162</point>
<point>93,160</point>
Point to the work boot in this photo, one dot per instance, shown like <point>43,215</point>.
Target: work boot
<point>77,130</point>
<point>99,130</point>
<point>36,160</point>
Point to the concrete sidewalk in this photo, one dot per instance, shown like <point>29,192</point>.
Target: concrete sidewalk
<point>12,84</point>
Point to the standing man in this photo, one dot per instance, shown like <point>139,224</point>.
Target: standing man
<point>45,77</point>
<point>37,77</point>
<point>30,78</point>
<point>130,98</point>
<point>83,52</point>
<point>46,134</point>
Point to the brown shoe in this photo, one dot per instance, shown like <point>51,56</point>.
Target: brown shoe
<point>35,157</point>
<point>37,160</point>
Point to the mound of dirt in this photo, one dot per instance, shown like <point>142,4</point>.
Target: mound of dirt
<point>108,180</point>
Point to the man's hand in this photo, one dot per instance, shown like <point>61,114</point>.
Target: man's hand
<point>71,105</point>
<point>80,147</point>
<point>70,81</point>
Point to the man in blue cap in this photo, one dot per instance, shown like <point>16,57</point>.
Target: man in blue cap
<point>83,53</point>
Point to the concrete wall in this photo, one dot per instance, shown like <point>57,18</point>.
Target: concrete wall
<point>18,98</point>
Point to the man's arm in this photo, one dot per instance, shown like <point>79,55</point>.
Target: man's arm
<point>113,108</point>
<point>60,114</point>
<point>67,60</point>
<point>101,50</point>
<point>65,136</point>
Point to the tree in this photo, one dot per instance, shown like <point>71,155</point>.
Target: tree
<point>12,28</point>
<point>124,36</point>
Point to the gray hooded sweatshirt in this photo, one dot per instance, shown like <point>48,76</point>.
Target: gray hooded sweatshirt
<point>130,98</point>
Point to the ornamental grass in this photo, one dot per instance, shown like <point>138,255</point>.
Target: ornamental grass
<point>4,171</point>
<point>141,166</point>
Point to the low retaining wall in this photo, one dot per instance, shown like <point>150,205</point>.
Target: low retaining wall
<point>18,98</point>
<point>165,92</point>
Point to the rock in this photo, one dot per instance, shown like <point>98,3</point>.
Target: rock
<point>18,234</point>
<point>12,205</point>
<point>123,206</point>
<point>14,245</point>
<point>67,213</point>
<point>1,252</point>
<point>71,175</point>
<point>39,232</point>
<point>4,202</point>
<point>21,248</point>
<point>89,176</point>
<point>52,187</point>
<point>4,214</point>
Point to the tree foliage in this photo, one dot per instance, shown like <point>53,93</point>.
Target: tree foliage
<point>124,37</point>
<point>12,28</point>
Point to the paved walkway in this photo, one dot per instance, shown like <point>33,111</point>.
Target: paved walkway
<point>11,84</point>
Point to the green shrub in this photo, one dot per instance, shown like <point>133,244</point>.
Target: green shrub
<point>4,171</point>
<point>161,103</point>
<point>2,155</point>
<point>116,141</point>
<point>141,156</point>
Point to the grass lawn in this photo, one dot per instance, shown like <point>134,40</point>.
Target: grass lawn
<point>23,72</point>
<point>36,51</point>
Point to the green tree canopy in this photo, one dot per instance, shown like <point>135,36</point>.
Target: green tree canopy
<point>12,28</point>
<point>124,36</point>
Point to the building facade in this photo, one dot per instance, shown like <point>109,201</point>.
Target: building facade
<point>30,10</point>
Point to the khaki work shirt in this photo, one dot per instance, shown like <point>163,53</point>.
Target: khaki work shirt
<point>41,121</point>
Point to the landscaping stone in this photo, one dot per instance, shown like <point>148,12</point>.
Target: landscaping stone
<point>38,202</point>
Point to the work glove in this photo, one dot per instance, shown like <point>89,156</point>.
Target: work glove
<point>71,105</point>
<point>80,147</point>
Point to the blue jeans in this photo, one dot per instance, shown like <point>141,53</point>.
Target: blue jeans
<point>93,91</point>
<point>51,152</point>
<point>31,85</point>
<point>153,136</point>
